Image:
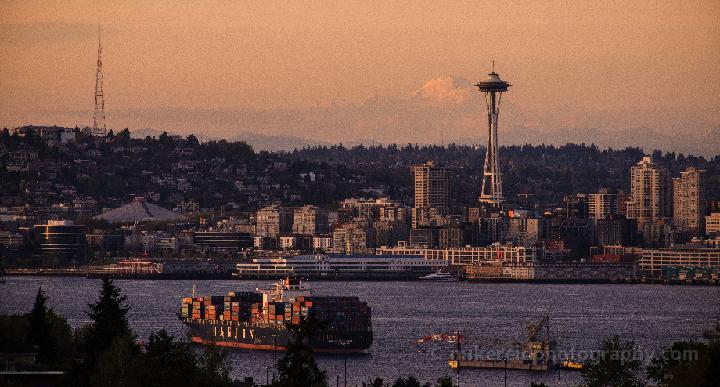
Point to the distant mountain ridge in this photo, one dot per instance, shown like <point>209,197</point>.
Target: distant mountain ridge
<point>706,142</point>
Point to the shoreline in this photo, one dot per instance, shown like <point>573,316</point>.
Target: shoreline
<point>373,277</point>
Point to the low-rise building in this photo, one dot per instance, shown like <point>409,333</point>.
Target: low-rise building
<point>469,255</point>
<point>652,261</point>
<point>712,224</point>
<point>552,271</point>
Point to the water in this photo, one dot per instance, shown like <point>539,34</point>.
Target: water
<point>487,314</point>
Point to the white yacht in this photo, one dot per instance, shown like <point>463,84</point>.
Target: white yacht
<point>439,277</point>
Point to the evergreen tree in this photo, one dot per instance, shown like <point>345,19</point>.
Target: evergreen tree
<point>692,363</point>
<point>109,319</point>
<point>167,362</point>
<point>39,331</point>
<point>616,365</point>
<point>298,367</point>
<point>118,365</point>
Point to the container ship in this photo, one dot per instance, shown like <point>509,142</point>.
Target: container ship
<point>258,320</point>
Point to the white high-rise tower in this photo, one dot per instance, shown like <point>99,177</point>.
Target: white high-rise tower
<point>491,192</point>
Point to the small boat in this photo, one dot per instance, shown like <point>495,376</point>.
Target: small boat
<point>571,365</point>
<point>439,277</point>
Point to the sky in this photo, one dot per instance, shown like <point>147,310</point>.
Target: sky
<point>640,73</point>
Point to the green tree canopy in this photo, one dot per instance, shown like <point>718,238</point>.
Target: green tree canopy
<point>616,365</point>
<point>109,319</point>
<point>298,367</point>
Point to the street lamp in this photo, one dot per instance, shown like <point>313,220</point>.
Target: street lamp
<point>505,359</point>
<point>274,354</point>
<point>343,344</point>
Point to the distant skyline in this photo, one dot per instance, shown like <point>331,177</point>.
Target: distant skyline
<point>607,73</point>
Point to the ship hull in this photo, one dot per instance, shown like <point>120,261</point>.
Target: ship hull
<point>233,334</point>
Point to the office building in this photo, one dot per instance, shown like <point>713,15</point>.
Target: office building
<point>616,230</point>
<point>222,240</point>
<point>310,220</point>
<point>60,237</point>
<point>431,183</point>
<point>603,204</point>
<point>688,204</point>
<point>576,206</point>
<point>273,220</point>
<point>353,238</point>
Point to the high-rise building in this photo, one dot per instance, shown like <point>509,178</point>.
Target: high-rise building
<point>431,192</point>
<point>576,206</point>
<point>273,220</point>
<point>603,204</point>
<point>310,220</point>
<point>650,190</point>
<point>354,238</point>
<point>688,206</point>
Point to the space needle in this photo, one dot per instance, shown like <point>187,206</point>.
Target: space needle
<point>491,192</point>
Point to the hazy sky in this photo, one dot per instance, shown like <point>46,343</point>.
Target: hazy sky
<point>342,70</point>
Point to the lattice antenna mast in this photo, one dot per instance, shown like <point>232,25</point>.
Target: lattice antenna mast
<point>493,88</point>
<point>99,129</point>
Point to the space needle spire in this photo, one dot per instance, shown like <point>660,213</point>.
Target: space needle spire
<point>99,127</point>
<point>493,87</point>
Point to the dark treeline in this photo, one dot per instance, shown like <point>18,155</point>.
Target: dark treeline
<point>105,352</point>
<point>549,172</point>
<point>232,174</point>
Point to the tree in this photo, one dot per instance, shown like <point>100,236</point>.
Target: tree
<point>615,365</point>
<point>109,320</point>
<point>5,136</point>
<point>298,367</point>
<point>410,381</point>
<point>377,382</point>
<point>192,140</point>
<point>123,136</point>
<point>690,363</point>
<point>38,332</point>
<point>214,367</point>
<point>167,362</point>
<point>118,365</point>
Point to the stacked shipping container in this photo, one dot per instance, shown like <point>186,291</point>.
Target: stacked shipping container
<point>341,313</point>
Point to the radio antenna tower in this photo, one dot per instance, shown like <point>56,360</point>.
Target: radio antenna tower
<point>491,192</point>
<point>99,128</point>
